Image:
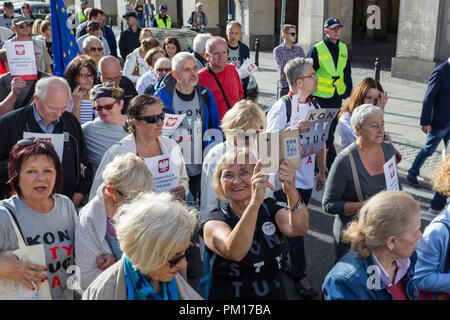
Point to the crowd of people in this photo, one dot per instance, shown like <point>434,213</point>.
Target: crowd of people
<point>88,170</point>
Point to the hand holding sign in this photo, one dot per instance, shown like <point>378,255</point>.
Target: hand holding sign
<point>171,123</point>
<point>260,181</point>
<point>17,84</point>
<point>247,68</point>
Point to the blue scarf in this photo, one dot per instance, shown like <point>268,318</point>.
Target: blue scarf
<point>138,287</point>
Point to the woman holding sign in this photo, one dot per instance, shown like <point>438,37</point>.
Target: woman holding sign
<point>245,237</point>
<point>359,171</point>
<point>162,155</point>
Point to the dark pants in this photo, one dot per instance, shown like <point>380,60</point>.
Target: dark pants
<point>438,202</point>
<point>194,189</point>
<point>331,150</point>
<point>296,244</point>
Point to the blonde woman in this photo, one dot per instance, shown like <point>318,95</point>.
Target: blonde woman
<point>135,65</point>
<point>380,265</point>
<point>151,80</point>
<point>154,233</point>
<point>96,245</point>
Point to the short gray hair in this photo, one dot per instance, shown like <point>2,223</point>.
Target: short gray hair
<point>89,39</point>
<point>128,174</point>
<point>42,85</point>
<point>295,68</point>
<point>232,24</point>
<point>151,228</point>
<point>363,112</point>
<point>212,42</point>
<point>179,58</point>
<point>199,44</point>
<point>162,61</point>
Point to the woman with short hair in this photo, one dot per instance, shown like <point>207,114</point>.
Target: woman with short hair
<point>154,233</point>
<point>380,265</point>
<point>151,80</point>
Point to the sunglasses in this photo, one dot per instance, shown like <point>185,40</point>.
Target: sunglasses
<point>175,261</point>
<point>24,25</point>
<point>292,33</point>
<point>163,69</point>
<point>152,119</point>
<point>95,49</point>
<point>30,141</point>
<point>106,106</point>
<point>86,75</point>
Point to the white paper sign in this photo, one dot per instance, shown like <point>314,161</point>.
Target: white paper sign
<point>171,123</point>
<point>390,174</point>
<point>21,59</point>
<point>164,172</point>
<point>56,139</point>
<point>247,68</point>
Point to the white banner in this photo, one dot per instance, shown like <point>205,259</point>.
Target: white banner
<point>391,174</point>
<point>56,139</point>
<point>21,59</point>
<point>164,172</point>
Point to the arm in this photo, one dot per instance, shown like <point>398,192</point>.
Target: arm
<point>128,68</point>
<point>321,160</point>
<point>338,287</point>
<point>312,53</point>
<point>7,105</point>
<point>348,79</point>
<point>434,84</point>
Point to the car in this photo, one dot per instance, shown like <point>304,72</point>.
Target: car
<point>184,36</point>
<point>39,9</point>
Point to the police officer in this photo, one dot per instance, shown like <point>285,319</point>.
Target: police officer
<point>332,66</point>
<point>162,20</point>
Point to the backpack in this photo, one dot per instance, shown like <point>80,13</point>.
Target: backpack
<point>287,101</point>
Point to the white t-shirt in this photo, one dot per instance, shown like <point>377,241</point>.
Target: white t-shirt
<point>276,121</point>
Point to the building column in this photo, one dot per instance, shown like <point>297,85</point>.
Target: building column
<point>420,44</point>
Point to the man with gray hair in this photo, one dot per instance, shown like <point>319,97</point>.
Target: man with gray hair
<point>93,47</point>
<point>302,81</point>
<point>199,46</point>
<point>47,118</point>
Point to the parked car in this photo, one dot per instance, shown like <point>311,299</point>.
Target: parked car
<point>39,9</point>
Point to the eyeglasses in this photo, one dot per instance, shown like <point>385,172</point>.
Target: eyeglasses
<point>152,119</point>
<point>163,69</point>
<point>106,106</point>
<point>312,76</point>
<point>230,177</point>
<point>30,141</point>
<point>95,49</point>
<point>24,25</point>
<point>292,33</point>
<point>176,260</point>
<point>86,75</point>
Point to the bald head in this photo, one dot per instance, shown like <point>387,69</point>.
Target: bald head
<point>109,70</point>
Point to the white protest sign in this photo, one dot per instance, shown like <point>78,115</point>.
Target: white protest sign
<point>247,68</point>
<point>171,123</point>
<point>21,59</point>
<point>320,121</point>
<point>164,172</point>
<point>390,174</point>
<point>54,138</point>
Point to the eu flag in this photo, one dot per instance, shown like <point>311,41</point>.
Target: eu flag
<point>65,46</point>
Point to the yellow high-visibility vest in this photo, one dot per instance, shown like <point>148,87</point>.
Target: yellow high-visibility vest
<point>331,78</point>
<point>161,23</point>
<point>81,16</point>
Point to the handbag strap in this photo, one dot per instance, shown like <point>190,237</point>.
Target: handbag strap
<point>19,235</point>
<point>355,175</point>
<point>220,87</point>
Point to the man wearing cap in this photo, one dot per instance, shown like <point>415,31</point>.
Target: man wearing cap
<point>93,29</point>
<point>162,20</point>
<point>129,39</point>
<point>332,66</point>
<point>198,18</point>
<point>84,5</point>
<point>8,15</point>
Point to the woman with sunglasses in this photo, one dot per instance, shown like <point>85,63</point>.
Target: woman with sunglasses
<point>144,125</point>
<point>149,269</point>
<point>43,215</point>
<point>106,129</point>
<point>27,12</point>
<point>96,245</point>
<point>150,77</point>
<point>81,74</point>
<point>162,67</point>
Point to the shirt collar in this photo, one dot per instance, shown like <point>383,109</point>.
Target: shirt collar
<point>291,94</point>
<point>39,120</point>
<point>402,269</point>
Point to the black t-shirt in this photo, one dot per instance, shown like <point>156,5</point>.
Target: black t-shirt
<point>258,275</point>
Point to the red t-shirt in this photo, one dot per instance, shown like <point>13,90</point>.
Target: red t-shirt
<point>231,84</point>
<point>398,291</point>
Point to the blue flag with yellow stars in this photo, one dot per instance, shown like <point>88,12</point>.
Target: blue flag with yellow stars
<point>65,46</point>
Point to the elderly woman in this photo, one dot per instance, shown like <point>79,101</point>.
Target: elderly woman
<point>151,83</point>
<point>154,233</point>
<point>149,78</point>
<point>96,245</point>
<point>171,47</point>
<point>144,125</point>
<point>381,263</point>
<point>43,216</point>
<point>345,193</point>
<point>81,74</point>
<point>135,65</point>
<point>245,237</point>
<point>433,262</point>
<point>106,129</point>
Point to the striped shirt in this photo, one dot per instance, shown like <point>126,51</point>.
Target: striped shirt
<point>87,112</point>
<point>282,55</point>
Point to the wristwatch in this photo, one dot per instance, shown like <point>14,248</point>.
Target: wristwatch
<point>297,206</point>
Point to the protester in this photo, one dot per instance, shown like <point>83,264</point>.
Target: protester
<point>234,232</point>
<point>135,65</point>
<point>162,67</point>
<point>96,245</point>
<point>332,65</point>
<point>181,94</point>
<point>81,74</point>
<point>198,18</point>
<point>147,33</point>
<point>283,53</point>
<point>370,152</point>
<point>222,79</point>
<point>171,47</point>
<point>8,15</point>
<point>139,9</point>
<point>4,66</point>
<point>36,28</point>
<point>149,10</point>
<point>144,125</point>
<point>109,71</point>
<point>106,129</point>
<point>383,247</point>
<point>96,15</point>
<point>432,273</point>
<point>162,20</point>
<point>129,38</point>
<point>93,47</point>
<point>93,29</point>
<point>27,12</point>
<point>152,76</point>
<point>199,53</point>
<point>46,31</point>
<point>302,82</point>
<point>41,212</point>
<point>149,269</point>
<point>47,116</point>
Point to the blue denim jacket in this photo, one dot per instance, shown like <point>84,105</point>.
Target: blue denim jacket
<point>352,279</point>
